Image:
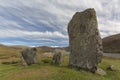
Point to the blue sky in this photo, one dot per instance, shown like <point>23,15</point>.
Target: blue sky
<point>44,22</point>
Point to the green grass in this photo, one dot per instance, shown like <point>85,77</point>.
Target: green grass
<point>46,71</point>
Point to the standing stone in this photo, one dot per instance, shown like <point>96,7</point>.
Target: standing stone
<point>29,55</point>
<point>85,41</point>
<point>57,57</point>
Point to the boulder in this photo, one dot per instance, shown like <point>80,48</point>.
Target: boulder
<point>30,56</point>
<point>100,72</point>
<point>111,68</point>
<point>85,42</point>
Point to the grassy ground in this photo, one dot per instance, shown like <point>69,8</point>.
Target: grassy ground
<point>46,71</point>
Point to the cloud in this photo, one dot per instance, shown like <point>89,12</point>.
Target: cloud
<point>30,34</point>
<point>45,20</point>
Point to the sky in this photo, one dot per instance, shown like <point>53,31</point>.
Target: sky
<point>44,22</point>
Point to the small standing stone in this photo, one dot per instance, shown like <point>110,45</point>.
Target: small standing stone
<point>29,55</point>
<point>57,57</point>
<point>85,41</point>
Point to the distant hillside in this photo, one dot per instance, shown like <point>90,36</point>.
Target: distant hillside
<point>111,44</point>
<point>15,50</point>
<point>9,53</point>
<point>43,49</point>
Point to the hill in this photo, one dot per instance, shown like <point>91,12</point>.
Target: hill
<point>10,54</point>
<point>111,44</point>
<point>44,49</point>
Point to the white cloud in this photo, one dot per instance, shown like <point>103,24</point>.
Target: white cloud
<point>53,16</point>
<point>4,23</point>
<point>30,34</point>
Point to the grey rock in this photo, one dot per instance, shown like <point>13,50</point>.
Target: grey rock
<point>29,55</point>
<point>85,42</point>
<point>111,68</point>
<point>57,57</point>
<point>100,72</point>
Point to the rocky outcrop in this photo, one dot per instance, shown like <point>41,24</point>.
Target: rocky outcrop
<point>29,55</point>
<point>85,41</point>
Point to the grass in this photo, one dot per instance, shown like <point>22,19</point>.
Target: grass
<point>52,72</point>
<point>46,71</point>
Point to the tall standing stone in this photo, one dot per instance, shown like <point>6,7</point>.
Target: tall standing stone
<point>29,55</point>
<point>85,41</point>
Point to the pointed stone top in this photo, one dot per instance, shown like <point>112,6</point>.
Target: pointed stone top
<point>90,12</point>
<point>87,10</point>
